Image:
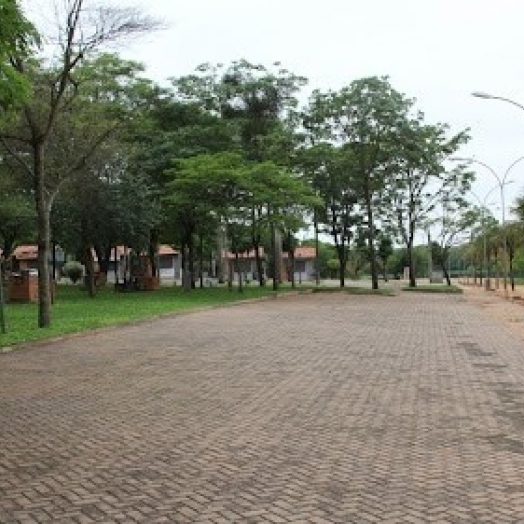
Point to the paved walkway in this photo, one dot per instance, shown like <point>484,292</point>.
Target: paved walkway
<point>315,409</point>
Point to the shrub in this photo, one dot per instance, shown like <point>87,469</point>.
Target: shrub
<point>73,270</point>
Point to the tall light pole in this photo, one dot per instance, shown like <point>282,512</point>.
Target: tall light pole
<point>483,205</point>
<point>501,184</point>
<point>488,96</point>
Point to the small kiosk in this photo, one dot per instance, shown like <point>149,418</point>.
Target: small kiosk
<point>23,286</point>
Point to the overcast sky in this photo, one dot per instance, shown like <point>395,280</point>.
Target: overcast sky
<point>437,51</point>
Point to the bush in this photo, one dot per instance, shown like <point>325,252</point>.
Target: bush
<point>73,270</point>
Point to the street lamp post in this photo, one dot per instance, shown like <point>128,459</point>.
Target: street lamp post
<point>483,204</point>
<point>488,96</point>
<point>501,181</point>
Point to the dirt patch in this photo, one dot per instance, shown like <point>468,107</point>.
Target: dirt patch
<point>508,311</point>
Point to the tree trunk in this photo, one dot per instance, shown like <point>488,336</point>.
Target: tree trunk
<point>87,259</point>
<point>201,260</point>
<point>276,260</point>
<point>412,279</point>
<point>90,271</point>
<point>259,265</point>
<point>220,254</point>
<point>186,275</point>
<point>446,274</point>
<point>255,239</point>
<point>341,252</point>
<point>371,238</point>
<point>3,329</point>
<point>43,211</point>
<point>512,278</point>
<point>152,251</point>
<point>8,245</point>
<point>230,274</point>
<point>291,255</point>
<point>116,266</point>
<point>411,263</point>
<point>239,273</point>
<point>191,261</point>
<point>54,260</point>
<point>103,254</point>
<point>497,271</point>
<point>317,259</point>
<point>278,255</point>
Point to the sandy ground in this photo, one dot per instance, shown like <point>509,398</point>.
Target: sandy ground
<point>508,311</point>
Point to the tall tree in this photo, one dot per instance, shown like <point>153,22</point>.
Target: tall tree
<point>202,189</point>
<point>259,102</point>
<point>418,179</point>
<point>453,221</point>
<point>167,130</point>
<point>512,236</point>
<point>331,178</point>
<point>364,119</point>
<point>55,89</point>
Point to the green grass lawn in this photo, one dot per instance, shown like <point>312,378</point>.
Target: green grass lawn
<point>355,290</point>
<point>433,288</point>
<point>74,311</point>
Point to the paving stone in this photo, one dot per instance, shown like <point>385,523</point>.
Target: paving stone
<point>314,409</point>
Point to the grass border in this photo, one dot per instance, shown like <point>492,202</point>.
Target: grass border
<point>84,332</point>
<point>355,290</point>
<point>434,288</point>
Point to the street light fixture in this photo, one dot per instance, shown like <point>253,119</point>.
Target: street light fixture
<point>501,184</point>
<point>487,96</point>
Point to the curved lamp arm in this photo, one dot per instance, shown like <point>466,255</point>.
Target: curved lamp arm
<point>487,96</point>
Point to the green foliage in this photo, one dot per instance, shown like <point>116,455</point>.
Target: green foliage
<point>362,119</point>
<point>129,162</point>
<point>17,214</point>
<point>376,167</point>
<point>455,223</point>
<point>18,38</point>
<point>206,187</point>
<point>51,139</point>
<point>326,252</point>
<point>399,259</point>
<point>333,266</point>
<point>73,270</point>
<point>256,105</point>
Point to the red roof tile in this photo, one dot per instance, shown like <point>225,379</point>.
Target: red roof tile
<point>26,252</point>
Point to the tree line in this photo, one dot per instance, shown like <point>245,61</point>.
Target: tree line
<point>94,154</point>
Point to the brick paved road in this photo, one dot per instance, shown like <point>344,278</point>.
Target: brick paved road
<point>312,409</point>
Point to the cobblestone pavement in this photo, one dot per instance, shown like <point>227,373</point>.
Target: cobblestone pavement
<point>314,409</point>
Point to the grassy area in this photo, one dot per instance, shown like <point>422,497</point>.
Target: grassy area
<point>433,288</point>
<point>355,290</point>
<point>74,311</point>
